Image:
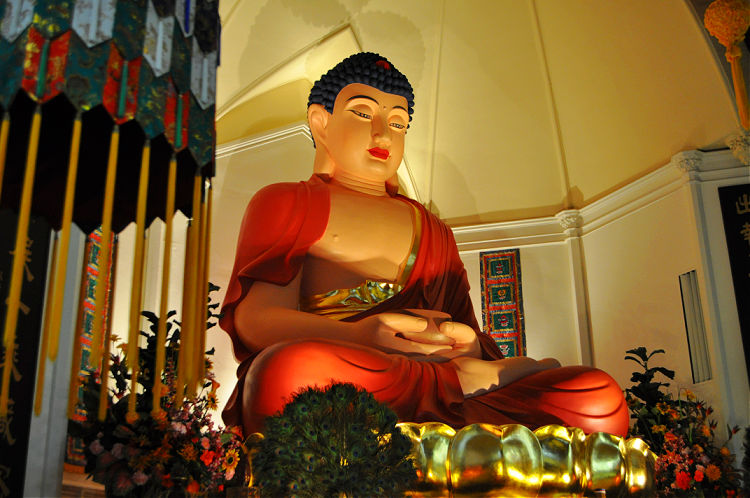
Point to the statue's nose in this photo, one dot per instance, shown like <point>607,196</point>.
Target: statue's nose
<point>380,130</point>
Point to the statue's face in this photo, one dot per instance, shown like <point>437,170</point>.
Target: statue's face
<point>365,134</point>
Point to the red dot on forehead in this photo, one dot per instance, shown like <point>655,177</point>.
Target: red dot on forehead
<point>383,64</point>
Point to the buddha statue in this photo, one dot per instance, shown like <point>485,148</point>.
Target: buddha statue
<point>341,279</point>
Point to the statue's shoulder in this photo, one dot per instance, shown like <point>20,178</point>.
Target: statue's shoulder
<point>278,207</point>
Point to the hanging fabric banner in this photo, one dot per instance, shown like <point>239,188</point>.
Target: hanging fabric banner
<point>14,428</point>
<point>735,210</point>
<point>502,302</point>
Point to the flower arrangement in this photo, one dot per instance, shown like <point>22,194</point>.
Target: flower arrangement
<point>334,442</point>
<point>680,432</point>
<point>177,453</point>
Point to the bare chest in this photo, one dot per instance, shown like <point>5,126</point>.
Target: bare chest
<point>366,238</point>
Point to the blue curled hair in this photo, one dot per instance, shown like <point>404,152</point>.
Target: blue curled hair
<point>367,68</point>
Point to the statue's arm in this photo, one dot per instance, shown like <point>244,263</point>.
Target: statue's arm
<point>268,314</point>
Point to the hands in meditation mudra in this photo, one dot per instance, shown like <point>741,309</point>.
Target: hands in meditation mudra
<point>340,279</point>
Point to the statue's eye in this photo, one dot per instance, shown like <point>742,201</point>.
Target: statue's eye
<point>398,126</point>
<point>361,114</point>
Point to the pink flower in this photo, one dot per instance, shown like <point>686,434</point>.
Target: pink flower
<point>682,480</point>
<point>229,474</point>
<point>118,450</point>
<point>205,443</point>
<point>139,478</point>
<point>179,427</point>
<point>96,447</point>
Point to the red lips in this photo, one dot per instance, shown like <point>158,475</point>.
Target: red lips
<point>379,153</point>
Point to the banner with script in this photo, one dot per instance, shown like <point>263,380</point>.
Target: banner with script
<point>735,210</point>
<point>14,428</point>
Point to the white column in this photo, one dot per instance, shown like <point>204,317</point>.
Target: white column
<point>571,222</point>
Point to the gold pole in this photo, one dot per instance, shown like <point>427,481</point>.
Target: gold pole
<point>204,280</point>
<point>100,292</point>
<point>59,270</point>
<point>104,386</point>
<point>42,366</point>
<point>161,336</point>
<point>199,324</point>
<point>186,370</point>
<point>136,291</point>
<point>188,314</point>
<point>19,258</point>
<point>4,129</point>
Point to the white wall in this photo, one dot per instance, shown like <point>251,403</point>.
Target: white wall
<point>633,265</point>
<point>547,299</point>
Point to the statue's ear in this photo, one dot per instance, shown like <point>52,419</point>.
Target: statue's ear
<point>317,118</point>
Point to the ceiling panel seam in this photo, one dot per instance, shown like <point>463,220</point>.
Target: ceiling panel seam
<point>438,64</point>
<point>231,101</point>
<point>560,147</point>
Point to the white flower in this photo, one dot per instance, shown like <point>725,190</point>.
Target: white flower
<point>179,427</point>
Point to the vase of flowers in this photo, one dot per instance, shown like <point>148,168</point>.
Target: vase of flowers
<point>179,451</point>
<point>678,429</point>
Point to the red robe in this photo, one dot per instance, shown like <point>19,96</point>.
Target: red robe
<point>281,223</point>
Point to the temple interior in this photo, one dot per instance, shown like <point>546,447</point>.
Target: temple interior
<point>591,136</point>
<point>533,121</point>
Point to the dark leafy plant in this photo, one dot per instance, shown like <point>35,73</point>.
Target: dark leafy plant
<point>176,452</point>
<point>679,431</point>
<point>336,442</point>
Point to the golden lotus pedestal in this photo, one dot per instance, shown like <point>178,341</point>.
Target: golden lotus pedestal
<point>512,461</point>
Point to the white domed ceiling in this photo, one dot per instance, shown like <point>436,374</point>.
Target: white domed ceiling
<point>523,107</point>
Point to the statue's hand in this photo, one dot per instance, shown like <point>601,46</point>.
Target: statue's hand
<point>403,333</point>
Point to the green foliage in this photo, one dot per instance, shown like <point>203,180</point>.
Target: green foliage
<point>338,441</point>
<point>681,434</point>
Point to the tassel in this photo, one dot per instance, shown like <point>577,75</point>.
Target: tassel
<point>185,354</point>
<point>42,366</point>
<point>136,291</point>
<point>161,335</point>
<point>100,292</point>
<point>104,386</point>
<point>54,306</point>
<point>19,258</point>
<point>4,129</point>
<point>186,370</point>
<point>199,318</point>
<point>206,241</point>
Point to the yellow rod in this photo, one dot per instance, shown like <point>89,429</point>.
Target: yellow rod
<point>204,280</point>
<point>104,385</point>
<point>19,258</point>
<point>192,265</point>
<point>100,292</point>
<point>188,315</point>
<point>740,91</point>
<point>54,306</point>
<point>199,324</point>
<point>136,290</point>
<point>161,337</point>
<point>42,366</point>
<point>4,129</point>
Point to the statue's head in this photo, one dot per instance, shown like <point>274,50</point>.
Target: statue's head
<point>367,68</point>
<point>358,113</point>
